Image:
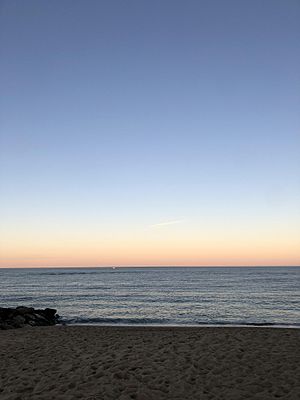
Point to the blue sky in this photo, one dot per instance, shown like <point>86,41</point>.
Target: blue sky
<point>118,115</point>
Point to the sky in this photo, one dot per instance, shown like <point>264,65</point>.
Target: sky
<point>149,132</point>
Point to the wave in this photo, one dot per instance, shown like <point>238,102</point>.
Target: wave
<point>167,322</point>
<point>57,273</point>
<point>117,321</point>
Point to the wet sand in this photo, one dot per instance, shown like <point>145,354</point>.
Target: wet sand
<point>149,363</point>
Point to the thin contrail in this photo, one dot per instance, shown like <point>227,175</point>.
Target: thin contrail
<point>176,221</point>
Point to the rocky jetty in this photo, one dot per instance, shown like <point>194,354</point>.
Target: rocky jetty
<point>19,317</point>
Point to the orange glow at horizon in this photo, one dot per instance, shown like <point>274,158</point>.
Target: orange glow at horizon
<point>181,244</point>
<point>173,251</point>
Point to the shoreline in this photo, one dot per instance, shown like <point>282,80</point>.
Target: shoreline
<point>142,325</point>
<point>149,363</point>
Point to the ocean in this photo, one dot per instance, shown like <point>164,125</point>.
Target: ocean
<point>160,296</point>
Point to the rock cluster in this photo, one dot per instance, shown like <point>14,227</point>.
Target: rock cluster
<point>26,316</point>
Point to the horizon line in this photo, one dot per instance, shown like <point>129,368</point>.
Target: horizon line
<point>152,266</point>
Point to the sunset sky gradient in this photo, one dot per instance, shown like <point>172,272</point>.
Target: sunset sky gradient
<point>149,132</point>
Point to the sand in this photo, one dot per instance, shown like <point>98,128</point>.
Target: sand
<point>142,363</point>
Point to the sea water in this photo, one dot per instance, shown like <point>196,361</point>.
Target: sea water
<point>167,296</point>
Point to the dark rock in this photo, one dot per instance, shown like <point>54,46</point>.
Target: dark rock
<point>18,321</point>
<point>50,312</point>
<point>5,312</point>
<point>5,327</point>
<point>40,320</point>
<point>25,310</point>
<point>26,316</point>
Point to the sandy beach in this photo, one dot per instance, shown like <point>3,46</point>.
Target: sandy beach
<point>143,363</point>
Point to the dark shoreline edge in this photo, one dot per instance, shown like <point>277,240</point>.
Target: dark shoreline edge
<point>183,326</point>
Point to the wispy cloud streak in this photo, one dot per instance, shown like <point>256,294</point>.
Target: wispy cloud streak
<point>166,223</point>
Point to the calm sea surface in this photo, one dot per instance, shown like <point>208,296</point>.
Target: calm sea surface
<point>159,295</point>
